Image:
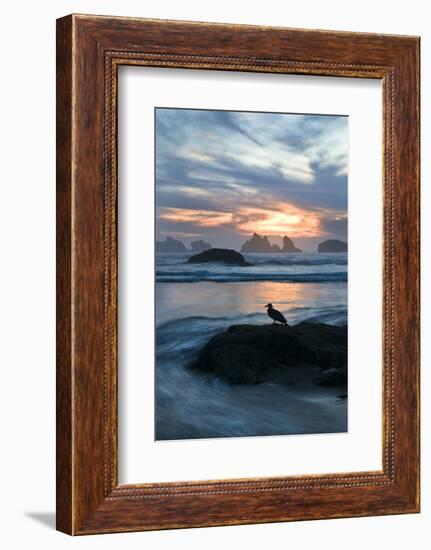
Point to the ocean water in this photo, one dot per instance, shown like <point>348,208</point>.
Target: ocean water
<point>302,268</point>
<point>195,302</point>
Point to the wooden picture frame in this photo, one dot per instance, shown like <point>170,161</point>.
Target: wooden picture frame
<point>89,51</point>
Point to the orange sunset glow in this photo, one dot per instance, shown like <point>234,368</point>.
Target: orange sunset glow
<point>280,220</point>
<point>286,219</point>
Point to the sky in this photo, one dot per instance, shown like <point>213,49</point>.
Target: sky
<point>223,175</point>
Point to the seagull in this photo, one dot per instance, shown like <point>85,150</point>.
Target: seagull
<point>275,315</point>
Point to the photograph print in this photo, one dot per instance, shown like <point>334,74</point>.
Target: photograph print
<point>251,273</point>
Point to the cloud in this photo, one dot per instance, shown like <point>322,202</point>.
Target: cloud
<point>280,219</point>
<point>193,155</point>
<point>201,218</point>
<point>335,225</point>
<point>276,171</point>
<point>229,120</point>
<point>268,219</point>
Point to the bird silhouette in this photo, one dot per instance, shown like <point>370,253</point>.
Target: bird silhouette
<point>275,315</point>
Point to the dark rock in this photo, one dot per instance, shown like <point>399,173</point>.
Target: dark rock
<point>199,246</point>
<point>170,245</point>
<point>224,255</point>
<point>331,378</point>
<point>258,244</point>
<point>251,354</point>
<point>288,245</point>
<point>332,245</point>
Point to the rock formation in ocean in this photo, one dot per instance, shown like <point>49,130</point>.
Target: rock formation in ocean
<point>170,245</point>
<point>332,245</point>
<point>224,255</point>
<point>252,354</point>
<point>288,245</point>
<point>199,246</point>
<point>258,244</point>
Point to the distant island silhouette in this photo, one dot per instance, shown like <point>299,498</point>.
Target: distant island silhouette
<point>258,244</point>
<point>170,245</point>
<point>174,246</point>
<point>332,245</point>
<point>200,246</point>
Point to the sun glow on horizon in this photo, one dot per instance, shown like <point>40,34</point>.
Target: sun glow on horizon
<point>273,220</point>
<point>287,219</point>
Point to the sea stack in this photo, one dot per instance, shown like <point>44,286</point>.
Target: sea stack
<point>261,245</point>
<point>223,255</point>
<point>288,245</point>
<point>199,246</point>
<point>170,245</point>
<point>332,245</point>
<point>257,244</point>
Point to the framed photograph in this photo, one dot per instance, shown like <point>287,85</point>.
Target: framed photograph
<point>237,274</point>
